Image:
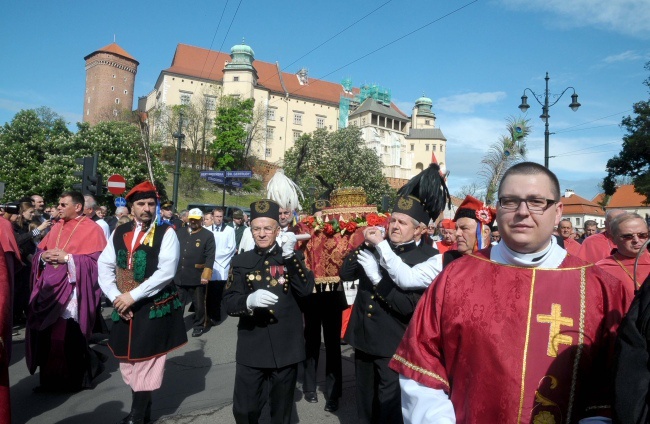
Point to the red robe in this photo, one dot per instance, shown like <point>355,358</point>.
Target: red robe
<point>443,247</point>
<point>511,344</point>
<point>596,247</point>
<point>622,267</point>
<point>571,246</point>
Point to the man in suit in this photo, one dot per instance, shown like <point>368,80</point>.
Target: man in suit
<point>263,290</point>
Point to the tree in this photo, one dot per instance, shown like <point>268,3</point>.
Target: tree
<point>229,148</point>
<point>510,149</point>
<point>323,161</point>
<point>634,158</point>
<point>473,189</point>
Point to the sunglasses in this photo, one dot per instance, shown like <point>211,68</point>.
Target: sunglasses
<point>641,236</point>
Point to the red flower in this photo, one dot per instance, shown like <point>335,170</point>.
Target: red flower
<point>309,220</point>
<point>373,219</point>
<point>484,215</point>
<point>328,229</point>
<point>351,227</point>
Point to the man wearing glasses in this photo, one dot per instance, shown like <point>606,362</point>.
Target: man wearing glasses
<point>263,289</point>
<point>629,232</point>
<point>518,332</point>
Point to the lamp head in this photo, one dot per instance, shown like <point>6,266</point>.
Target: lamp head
<point>524,103</point>
<point>574,102</point>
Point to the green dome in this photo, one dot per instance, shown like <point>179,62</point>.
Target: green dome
<point>242,49</point>
<point>424,101</point>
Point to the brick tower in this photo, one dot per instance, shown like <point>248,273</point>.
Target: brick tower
<point>110,77</point>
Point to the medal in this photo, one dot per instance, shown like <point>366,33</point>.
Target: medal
<point>198,243</point>
<point>281,280</point>
<point>258,277</point>
<point>274,282</point>
<point>251,277</point>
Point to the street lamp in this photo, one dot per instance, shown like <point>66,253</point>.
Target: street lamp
<point>177,171</point>
<point>545,107</point>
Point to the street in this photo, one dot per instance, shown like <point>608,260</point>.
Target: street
<point>197,388</point>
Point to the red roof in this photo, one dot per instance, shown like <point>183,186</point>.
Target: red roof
<point>208,64</point>
<point>115,49</point>
<point>576,205</point>
<point>599,198</point>
<point>626,197</point>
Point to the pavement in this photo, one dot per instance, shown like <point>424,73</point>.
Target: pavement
<point>197,388</point>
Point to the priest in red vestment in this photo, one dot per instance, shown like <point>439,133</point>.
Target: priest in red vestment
<point>629,232</point>
<point>9,262</point>
<point>517,332</point>
<point>601,245</point>
<point>63,304</point>
<point>565,228</point>
<point>447,229</point>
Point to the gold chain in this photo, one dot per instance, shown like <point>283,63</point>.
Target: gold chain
<point>69,238</point>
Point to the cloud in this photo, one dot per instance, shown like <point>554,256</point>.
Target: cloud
<point>465,103</point>
<point>626,56</point>
<point>628,17</point>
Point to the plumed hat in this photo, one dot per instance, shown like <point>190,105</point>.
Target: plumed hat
<point>285,192</point>
<point>265,208</point>
<point>144,190</point>
<point>430,188</point>
<point>411,206</point>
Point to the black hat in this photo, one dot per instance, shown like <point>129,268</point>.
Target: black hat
<point>167,204</point>
<point>411,206</point>
<point>265,208</point>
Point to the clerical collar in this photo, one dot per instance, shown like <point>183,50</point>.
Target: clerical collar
<point>402,247</point>
<point>550,257</point>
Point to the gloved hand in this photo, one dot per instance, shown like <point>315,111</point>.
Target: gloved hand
<point>288,244</point>
<point>370,265</point>
<point>261,299</point>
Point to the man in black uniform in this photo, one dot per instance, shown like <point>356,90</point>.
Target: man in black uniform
<point>262,290</point>
<point>195,266</point>
<point>167,214</point>
<point>238,225</point>
<point>381,313</point>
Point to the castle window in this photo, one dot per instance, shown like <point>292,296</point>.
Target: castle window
<point>270,114</point>
<point>412,147</point>
<point>433,147</point>
<point>427,122</point>
<point>320,122</point>
<point>210,103</point>
<point>235,79</point>
<point>112,88</point>
<point>126,91</point>
<point>426,147</point>
<point>114,112</point>
<point>297,118</point>
<point>267,152</point>
<point>88,100</point>
<point>441,147</point>
<point>117,101</point>
<point>186,98</point>
<point>269,133</point>
<point>113,75</point>
<point>296,135</point>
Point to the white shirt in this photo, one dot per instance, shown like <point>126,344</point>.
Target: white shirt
<point>247,242</point>
<point>105,228</point>
<point>419,276</point>
<point>167,262</point>
<point>225,248</point>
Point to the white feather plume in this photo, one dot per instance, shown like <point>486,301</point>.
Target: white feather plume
<point>284,191</point>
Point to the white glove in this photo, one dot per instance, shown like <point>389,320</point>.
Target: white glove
<point>288,244</point>
<point>370,266</point>
<point>261,299</point>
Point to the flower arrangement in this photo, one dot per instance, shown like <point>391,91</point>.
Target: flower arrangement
<point>329,227</point>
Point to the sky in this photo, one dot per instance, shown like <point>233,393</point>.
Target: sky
<point>472,58</point>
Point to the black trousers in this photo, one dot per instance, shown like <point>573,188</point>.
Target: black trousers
<point>214,295</point>
<point>196,295</point>
<point>321,310</point>
<point>378,393</point>
<point>253,386</point>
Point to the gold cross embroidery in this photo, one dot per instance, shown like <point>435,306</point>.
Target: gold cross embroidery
<point>554,337</point>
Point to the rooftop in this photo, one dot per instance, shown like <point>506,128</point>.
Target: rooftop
<point>113,48</point>
<point>626,197</point>
<point>577,205</point>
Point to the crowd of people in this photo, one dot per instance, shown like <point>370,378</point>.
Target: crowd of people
<point>502,314</point>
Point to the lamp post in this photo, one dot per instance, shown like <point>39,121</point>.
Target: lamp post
<point>545,107</point>
<point>177,172</point>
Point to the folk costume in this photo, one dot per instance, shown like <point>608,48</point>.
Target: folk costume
<point>596,247</point>
<point>141,259</point>
<point>508,337</point>
<point>9,262</point>
<point>269,339</point>
<point>63,307</point>
<point>622,267</point>
<point>380,315</point>
<point>194,267</point>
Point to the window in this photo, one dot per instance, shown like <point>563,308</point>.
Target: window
<point>126,92</point>
<point>267,152</point>
<point>577,222</point>
<point>433,147</point>
<point>210,103</point>
<point>186,98</point>
<point>117,101</point>
<point>412,147</point>
<point>270,114</point>
<point>441,147</point>
<point>426,147</point>
<point>363,121</point>
<point>114,112</point>
<point>297,118</point>
<point>112,88</point>
<point>320,122</point>
<point>296,135</point>
<point>269,133</point>
<point>113,75</point>
<point>88,100</point>
<point>426,122</point>
<point>235,79</point>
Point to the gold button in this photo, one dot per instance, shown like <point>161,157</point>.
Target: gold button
<point>270,311</point>
<point>372,297</point>
<point>369,306</point>
<point>268,278</point>
<point>369,315</point>
<point>266,262</point>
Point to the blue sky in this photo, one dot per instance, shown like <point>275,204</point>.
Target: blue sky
<point>472,58</point>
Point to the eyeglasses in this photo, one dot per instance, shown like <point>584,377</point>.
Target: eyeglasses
<point>641,236</point>
<point>266,230</point>
<point>535,204</point>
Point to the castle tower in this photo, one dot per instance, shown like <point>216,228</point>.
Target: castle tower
<point>110,78</point>
<point>239,75</point>
<point>422,116</point>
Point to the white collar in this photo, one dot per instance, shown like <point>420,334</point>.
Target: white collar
<point>550,257</point>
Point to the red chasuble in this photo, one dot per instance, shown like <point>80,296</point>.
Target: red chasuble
<point>622,267</point>
<point>512,344</point>
<point>571,246</point>
<point>596,247</point>
<point>443,247</point>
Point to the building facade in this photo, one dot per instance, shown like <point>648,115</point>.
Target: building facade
<point>110,78</point>
<point>290,105</point>
<point>578,210</point>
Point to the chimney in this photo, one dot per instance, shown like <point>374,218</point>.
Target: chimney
<point>568,192</point>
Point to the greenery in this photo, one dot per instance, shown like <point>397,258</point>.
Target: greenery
<point>323,161</point>
<point>39,154</point>
<point>634,159</point>
<point>231,141</point>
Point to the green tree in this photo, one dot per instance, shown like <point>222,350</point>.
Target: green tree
<point>509,150</point>
<point>229,148</point>
<point>324,161</point>
<point>634,158</point>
